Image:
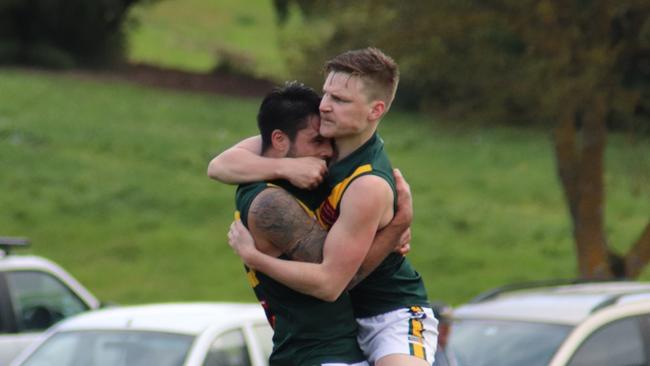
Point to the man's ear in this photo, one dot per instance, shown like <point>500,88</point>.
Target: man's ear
<point>377,109</point>
<point>280,141</point>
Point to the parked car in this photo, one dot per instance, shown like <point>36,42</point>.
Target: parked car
<point>34,294</point>
<point>183,334</point>
<point>577,324</point>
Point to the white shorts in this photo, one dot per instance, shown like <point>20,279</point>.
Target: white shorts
<point>363,363</point>
<point>409,331</point>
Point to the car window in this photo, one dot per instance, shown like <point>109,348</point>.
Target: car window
<point>264,336</point>
<point>112,348</point>
<point>618,343</point>
<point>228,349</point>
<point>39,300</point>
<point>504,343</point>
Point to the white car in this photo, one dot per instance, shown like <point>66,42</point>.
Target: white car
<point>582,324</point>
<point>183,334</point>
<point>34,294</point>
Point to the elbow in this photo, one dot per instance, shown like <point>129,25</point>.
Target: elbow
<point>211,172</point>
<point>329,293</point>
<point>215,171</point>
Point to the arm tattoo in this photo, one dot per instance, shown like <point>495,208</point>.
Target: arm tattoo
<point>284,223</point>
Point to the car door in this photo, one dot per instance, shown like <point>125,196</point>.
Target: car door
<point>228,349</point>
<point>247,345</point>
<point>35,301</point>
<point>10,342</point>
<point>622,342</point>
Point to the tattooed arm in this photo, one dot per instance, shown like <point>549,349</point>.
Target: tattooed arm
<point>278,218</point>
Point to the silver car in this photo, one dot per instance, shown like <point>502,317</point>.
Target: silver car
<point>581,324</point>
<point>182,334</point>
<point>34,294</point>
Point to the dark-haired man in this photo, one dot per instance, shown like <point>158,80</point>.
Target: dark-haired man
<point>396,323</point>
<point>307,330</point>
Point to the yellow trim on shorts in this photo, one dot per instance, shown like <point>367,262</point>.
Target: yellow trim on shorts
<point>415,331</point>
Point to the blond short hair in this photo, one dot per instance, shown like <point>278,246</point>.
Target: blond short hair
<point>378,71</point>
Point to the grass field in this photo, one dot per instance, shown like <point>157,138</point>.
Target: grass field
<point>109,180</point>
<point>193,35</point>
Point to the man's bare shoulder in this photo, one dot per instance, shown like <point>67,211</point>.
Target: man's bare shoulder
<point>369,188</point>
<point>366,197</point>
<point>276,216</point>
<point>271,201</point>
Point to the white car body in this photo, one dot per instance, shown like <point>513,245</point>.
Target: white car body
<point>13,339</point>
<point>205,322</point>
<point>585,308</point>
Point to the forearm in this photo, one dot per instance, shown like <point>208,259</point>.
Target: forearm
<point>384,243</point>
<point>238,165</point>
<point>307,278</point>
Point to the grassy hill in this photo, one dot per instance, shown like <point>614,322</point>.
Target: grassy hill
<point>196,35</point>
<point>108,179</point>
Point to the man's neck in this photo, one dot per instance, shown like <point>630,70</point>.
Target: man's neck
<point>346,145</point>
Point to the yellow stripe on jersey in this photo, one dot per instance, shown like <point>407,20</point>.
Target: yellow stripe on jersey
<point>309,212</point>
<point>337,192</point>
<point>252,278</point>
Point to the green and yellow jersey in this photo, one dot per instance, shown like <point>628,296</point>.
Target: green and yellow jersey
<point>394,284</point>
<point>307,331</point>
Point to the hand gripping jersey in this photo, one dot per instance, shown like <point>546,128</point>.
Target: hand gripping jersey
<point>307,331</point>
<point>394,284</point>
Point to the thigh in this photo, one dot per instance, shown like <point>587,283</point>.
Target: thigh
<point>404,334</point>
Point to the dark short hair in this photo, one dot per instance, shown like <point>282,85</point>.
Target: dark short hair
<point>287,109</point>
<point>379,71</point>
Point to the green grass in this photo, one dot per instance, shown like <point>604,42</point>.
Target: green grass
<point>108,179</point>
<point>191,34</point>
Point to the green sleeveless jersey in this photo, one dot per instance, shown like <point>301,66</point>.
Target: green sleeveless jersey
<point>394,284</point>
<point>307,331</point>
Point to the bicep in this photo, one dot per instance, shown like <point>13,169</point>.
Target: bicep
<point>363,205</point>
<point>277,216</point>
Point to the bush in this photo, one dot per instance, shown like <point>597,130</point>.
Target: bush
<point>63,33</point>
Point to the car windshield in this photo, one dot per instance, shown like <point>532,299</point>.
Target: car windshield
<point>504,343</point>
<point>112,348</point>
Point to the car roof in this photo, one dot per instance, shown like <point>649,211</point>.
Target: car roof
<point>36,263</point>
<point>18,262</point>
<point>186,318</point>
<point>565,304</point>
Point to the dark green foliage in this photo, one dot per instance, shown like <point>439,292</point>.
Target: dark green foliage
<point>63,33</point>
<point>499,60</point>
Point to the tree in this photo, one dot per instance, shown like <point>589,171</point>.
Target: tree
<point>63,33</point>
<point>577,65</point>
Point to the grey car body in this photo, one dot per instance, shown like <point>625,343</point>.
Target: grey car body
<point>34,294</point>
<point>595,324</point>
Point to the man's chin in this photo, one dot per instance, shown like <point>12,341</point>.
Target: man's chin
<point>327,132</point>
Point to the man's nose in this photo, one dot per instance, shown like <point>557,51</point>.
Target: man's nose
<point>324,105</point>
